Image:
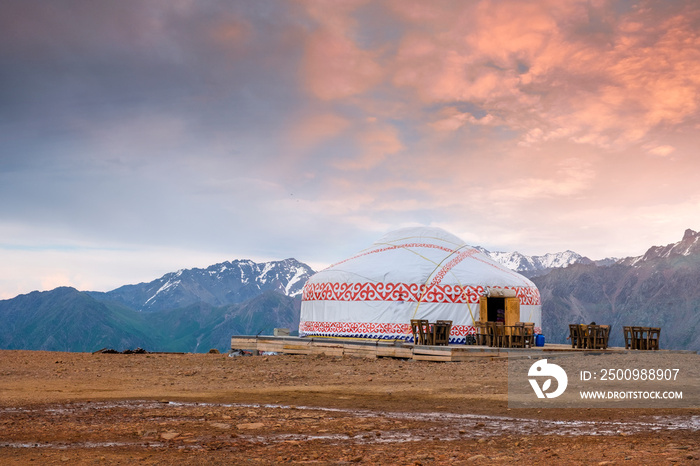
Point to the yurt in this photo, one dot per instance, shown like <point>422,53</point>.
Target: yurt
<point>415,273</point>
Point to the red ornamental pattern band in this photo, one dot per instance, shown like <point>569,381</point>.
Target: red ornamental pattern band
<point>460,257</point>
<point>408,292</point>
<point>370,328</point>
<point>373,328</point>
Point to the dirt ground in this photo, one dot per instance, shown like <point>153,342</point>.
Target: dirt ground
<point>77,408</point>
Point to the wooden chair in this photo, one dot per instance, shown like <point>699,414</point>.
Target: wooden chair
<point>574,335</point>
<point>639,338</point>
<point>421,331</point>
<point>636,335</point>
<point>448,327</point>
<point>502,340</point>
<point>627,335</point>
<point>583,335</point>
<point>605,329</point>
<point>481,333</point>
<point>594,337</point>
<point>478,332</point>
<point>517,338</point>
<point>488,333</point>
<point>495,340</point>
<point>653,338</point>
<point>529,334</point>
<point>491,329</point>
<point>429,333</point>
<point>599,336</point>
<point>441,332</point>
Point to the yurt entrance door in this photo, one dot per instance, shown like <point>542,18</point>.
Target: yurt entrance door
<point>489,307</point>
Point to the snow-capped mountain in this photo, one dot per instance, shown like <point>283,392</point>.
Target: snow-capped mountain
<point>690,244</point>
<point>218,285</point>
<point>531,266</point>
<point>656,289</point>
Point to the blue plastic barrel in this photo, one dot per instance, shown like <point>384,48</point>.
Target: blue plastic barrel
<point>539,340</point>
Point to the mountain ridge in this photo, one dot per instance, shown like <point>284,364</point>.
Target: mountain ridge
<point>220,284</point>
<point>689,244</point>
<point>531,266</point>
<point>65,319</point>
<point>656,289</point>
<point>196,309</point>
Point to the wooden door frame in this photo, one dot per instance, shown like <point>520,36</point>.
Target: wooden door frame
<point>512,310</point>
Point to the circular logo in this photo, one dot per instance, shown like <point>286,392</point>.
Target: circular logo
<point>543,369</point>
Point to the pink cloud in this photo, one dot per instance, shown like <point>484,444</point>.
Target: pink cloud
<point>615,95</point>
<point>527,64</point>
<point>506,31</point>
<point>334,15</point>
<point>461,70</point>
<point>310,131</point>
<point>660,151</point>
<point>451,119</point>
<point>232,32</point>
<point>335,68</point>
<point>376,142</point>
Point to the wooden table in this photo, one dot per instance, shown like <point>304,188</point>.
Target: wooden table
<point>521,335</point>
<point>431,333</point>
<point>644,338</point>
<point>496,334</point>
<point>589,336</point>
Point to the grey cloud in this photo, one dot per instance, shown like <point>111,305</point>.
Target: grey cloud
<point>87,59</point>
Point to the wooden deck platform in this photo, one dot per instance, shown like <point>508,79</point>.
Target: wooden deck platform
<point>371,348</point>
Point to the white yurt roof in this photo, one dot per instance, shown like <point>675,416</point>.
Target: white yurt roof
<point>408,273</point>
<point>421,255</point>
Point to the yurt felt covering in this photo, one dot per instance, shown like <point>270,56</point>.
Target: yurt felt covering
<point>411,273</point>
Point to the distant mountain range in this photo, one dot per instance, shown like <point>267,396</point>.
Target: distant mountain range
<point>658,289</point>
<point>194,310</point>
<point>217,285</point>
<point>531,266</point>
<point>190,310</point>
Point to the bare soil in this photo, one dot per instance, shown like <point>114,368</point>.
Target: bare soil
<point>77,408</point>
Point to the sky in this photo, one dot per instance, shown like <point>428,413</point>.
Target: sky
<point>140,137</point>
